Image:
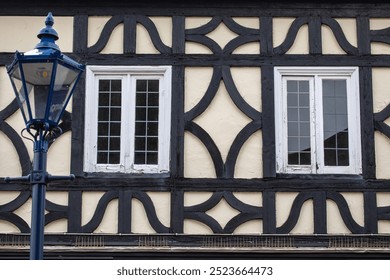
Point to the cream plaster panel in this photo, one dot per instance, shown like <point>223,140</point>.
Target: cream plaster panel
<point>249,161</point>
<point>280,30</point>
<point>7,227</point>
<point>382,156</point>
<point>197,160</point>
<point>114,44</point>
<point>381,98</point>
<point>335,222</point>
<point>220,117</point>
<point>9,160</point>
<point>17,123</point>
<point>248,83</point>
<point>192,226</point>
<point>251,198</point>
<point>250,227</point>
<point>250,22</point>
<point>334,219</point>
<point>222,35</point>
<point>24,211</point>
<point>250,48</point>
<point>108,224</point>
<point>329,42</point>
<point>383,200</point>
<point>95,28</point>
<point>383,227</point>
<point>198,163</point>
<point>254,226</point>
<point>378,24</point>
<point>61,225</point>
<point>195,198</point>
<point>194,22</point>
<point>59,155</point>
<point>284,202</point>
<point>195,227</point>
<point>60,198</point>
<point>223,212</point>
<point>192,48</point>
<point>139,219</point>
<point>380,85</point>
<point>27,29</point>
<point>144,42</point>
<point>6,197</point>
<point>196,82</point>
<point>222,120</point>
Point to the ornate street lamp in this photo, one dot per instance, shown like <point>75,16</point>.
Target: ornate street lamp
<point>43,80</point>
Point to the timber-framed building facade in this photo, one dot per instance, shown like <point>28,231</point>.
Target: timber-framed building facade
<point>209,129</point>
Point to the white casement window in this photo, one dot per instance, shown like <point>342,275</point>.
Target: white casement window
<point>317,120</point>
<point>127,119</point>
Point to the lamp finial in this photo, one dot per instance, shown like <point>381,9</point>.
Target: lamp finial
<point>48,35</point>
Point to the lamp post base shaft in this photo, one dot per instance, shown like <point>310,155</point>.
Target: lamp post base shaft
<point>37,221</point>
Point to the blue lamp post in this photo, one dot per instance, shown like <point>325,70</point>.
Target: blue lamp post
<point>43,80</point>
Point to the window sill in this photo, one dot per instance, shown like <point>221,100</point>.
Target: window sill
<point>119,175</point>
<point>319,176</point>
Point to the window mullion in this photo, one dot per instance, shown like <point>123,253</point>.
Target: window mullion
<point>318,123</point>
<point>127,130</point>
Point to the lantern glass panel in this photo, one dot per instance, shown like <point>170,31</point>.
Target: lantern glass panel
<point>38,77</point>
<point>21,96</point>
<point>63,87</point>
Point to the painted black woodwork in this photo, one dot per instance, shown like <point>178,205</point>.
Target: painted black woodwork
<point>125,188</point>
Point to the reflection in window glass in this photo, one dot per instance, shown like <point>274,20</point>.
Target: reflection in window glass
<point>336,150</point>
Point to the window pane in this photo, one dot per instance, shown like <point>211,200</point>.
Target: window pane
<point>293,158</point>
<point>114,157</point>
<point>298,122</point>
<point>102,157</point>
<point>140,143</point>
<point>151,158</point>
<point>104,99</point>
<point>102,143</point>
<point>304,158</point>
<point>140,128</point>
<point>141,99</point>
<point>109,119</point>
<point>104,85</point>
<point>152,144</point>
<point>146,122</point>
<point>153,85</point>
<point>141,85</point>
<point>153,129</point>
<point>115,143</point>
<point>336,147</point>
<point>139,158</point>
<point>115,129</point>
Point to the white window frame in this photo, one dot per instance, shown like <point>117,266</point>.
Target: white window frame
<point>314,75</point>
<point>128,75</point>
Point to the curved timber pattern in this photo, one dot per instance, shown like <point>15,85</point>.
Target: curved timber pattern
<point>223,189</point>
